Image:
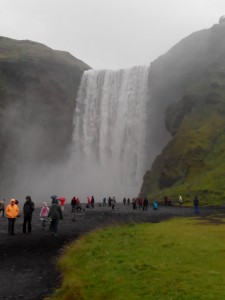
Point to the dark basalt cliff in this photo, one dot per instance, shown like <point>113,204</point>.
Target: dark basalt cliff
<point>187,87</point>
<point>38,88</point>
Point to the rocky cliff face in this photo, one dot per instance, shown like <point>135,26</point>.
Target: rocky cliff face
<point>38,88</point>
<point>188,87</point>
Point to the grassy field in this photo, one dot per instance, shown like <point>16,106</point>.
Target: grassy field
<point>178,259</point>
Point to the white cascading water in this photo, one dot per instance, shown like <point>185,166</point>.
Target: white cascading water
<point>110,132</point>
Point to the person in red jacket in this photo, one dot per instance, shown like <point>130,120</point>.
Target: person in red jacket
<point>140,202</point>
<point>62,201</point>
<point>12,212</point>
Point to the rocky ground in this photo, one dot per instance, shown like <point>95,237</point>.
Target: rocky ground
<point>27,261</point>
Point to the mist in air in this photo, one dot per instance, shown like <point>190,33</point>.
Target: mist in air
<point>111,147</point>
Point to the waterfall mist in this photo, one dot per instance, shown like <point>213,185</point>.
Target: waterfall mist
<point>115,139</point>
<point>109,152</point>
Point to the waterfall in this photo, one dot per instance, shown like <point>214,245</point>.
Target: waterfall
<point>110,132</point>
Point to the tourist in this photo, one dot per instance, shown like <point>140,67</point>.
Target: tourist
<point>28,209</point>
<point>167,201</point>
<point>124,201</point>
<point>88,200</point>
<point>62,201</point>
<point>92,201</point>
<point>134,203</point>
<point>44,213</point>
<point>12,212</point>
<point>73,204</point>
<point>113,203</point>
<point>145,204</point>
<point>78,205</point>
<point>55,214</point>
<point>2,207</point>
<point>196,205</point>
<point>180,200</point>
<point>155,205</point>
<point>140,202</point>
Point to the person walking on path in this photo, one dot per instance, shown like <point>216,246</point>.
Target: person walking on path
<point>2,207</point>
<point>196,205</point>
<point>28,209</point>
<point>12,212</point>
<point>44,213</point>
<point>55,214</point>
<point>180,200</point>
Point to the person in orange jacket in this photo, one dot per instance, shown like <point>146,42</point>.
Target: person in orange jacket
<point>12,212</point>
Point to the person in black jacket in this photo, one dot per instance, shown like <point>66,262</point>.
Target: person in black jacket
<point>145,204</point>
<point>55,214</point>
<point>28,209</point>
<point>196,205</point>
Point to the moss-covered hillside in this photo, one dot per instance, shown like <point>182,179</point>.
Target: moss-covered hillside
<point>193,162</point>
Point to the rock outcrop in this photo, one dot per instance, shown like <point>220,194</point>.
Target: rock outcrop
<point>188,91</point>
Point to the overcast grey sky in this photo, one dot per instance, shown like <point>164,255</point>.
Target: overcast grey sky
<point>108,34</point>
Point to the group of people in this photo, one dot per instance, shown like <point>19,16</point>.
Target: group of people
<point>140,203</point>
<point>52,214</point>
<point>13,212</point>
<point>55,213</point>
<point>143,204</point>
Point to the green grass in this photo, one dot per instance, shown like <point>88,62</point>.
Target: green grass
<point>177,259</point>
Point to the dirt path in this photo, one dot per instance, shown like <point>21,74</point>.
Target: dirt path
<point>27,261</point>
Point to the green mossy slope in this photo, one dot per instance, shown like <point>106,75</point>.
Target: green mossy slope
<point>194,160</point>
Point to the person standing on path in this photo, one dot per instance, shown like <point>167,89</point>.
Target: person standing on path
<point>145,204</point>
<point>196,205</point>
<point>62,201</point>
<point>2,207</point>
<point>44,213</point>
<point>113,203</point>
<point>140,202</point>
<point>92,202</point>
<point>155,205</point>
<point>180,200</point>
<point>73,204</point>
<point>55,213</point>
<point>28,209</point>
<point>12,212</point>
